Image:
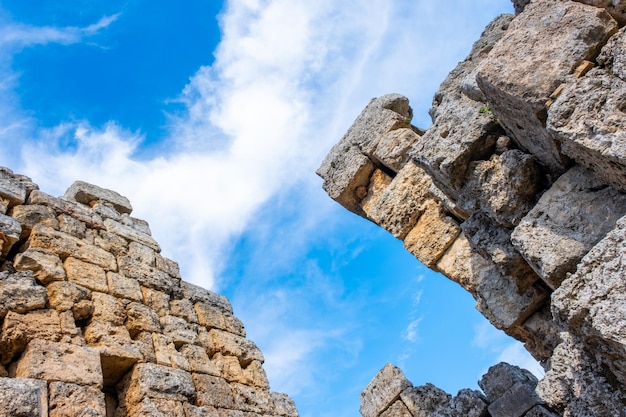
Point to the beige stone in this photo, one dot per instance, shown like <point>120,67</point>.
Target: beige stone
<point>86,274</point>
<point>108,308</point>
<point>199,360</point>
<point>284,405</point>
<point>382,391</point>
<point>143,342</point>
<point>65,245</point>
<point>21,397</point>
<point>11,189</point>
<point>148,276</point>
<point>178,330</point>
<point>230,344</point>
<point>86,193</point>
<point>255,375</point>
<point>63,362</point>
<point>19,329</point>
<point>213,391</point>
<point>156,300</point>
<point>131,234</point>
<point>110,242</point>
<point>30,215</point>
<point>71,400</point>
<point>10,232</point>
<point>71,333</point>
<point>229,367</point>
<point>141,318</point>
<point>20,293</point>
<point>123,287</point>
<point>183,309</point>
<point>142,253</point>
<point>432,235</point>
<point>64,295</point>
<point>252,399</point>
<point>46,266</point>
<point>196,294</point>
<point>167,265</point>
<point>393,148</point>
<point>71,226</point>
<point>162,349</point>
<point>60,205</point>
<point>152,381</point>
<point>378,182</point>
<point>213,318</point>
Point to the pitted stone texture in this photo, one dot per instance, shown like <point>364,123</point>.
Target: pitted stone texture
<point>383,390</point>
<point>571,217</point>
<point>19,329</point>
<point>588,118</point>
<point>64,295</point>
<point>504,187</point>
<point>196,294</point>
<point>518,95</point>
<point>148,276</point>
<point>71,400</point>
<point>131,234</point>
<point>617,9</point>
<point>86,274</point>
<point>30,215</point>
<point>11,188</point>
<point>502,377</point>
<point>229,344</point>
<point>284,405</point>
<point>425,400</point>
<point>212,317</point>
<point>20,293</point>
<point>393,148</point>
<point>213,392</point>
<point>45,266</point>
<point>63,362</point>
<point>10,232</point>
<point>592,301</point>
<point>159,382</point>
<point>613,55</point>
<point>22,397</point>
<point>467,403</point>
<point>77,211</point>
<point>86,193</point>
<point>516,401</point>
<point>397,409</point>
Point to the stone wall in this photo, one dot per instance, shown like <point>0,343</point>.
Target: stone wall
<point>517,191</point>
<point>96,322</point>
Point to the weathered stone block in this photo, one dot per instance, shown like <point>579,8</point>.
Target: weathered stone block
<point>71,226</point>
<point>424,400</point>
<point>432,235</point>
<point>230,344</point>
<point>613,55</point>
<point>199,360</point>
<point>394,147</point>
<point>284,405</point>
<point>616,9</point>
<point>141,318</point>
<point>21,397</point>
<point>504,187</point>
<point>252,399</point>
<point>196,294</point>
<point>123,287</point>
<point>86,274</point>
<point>519,96</point>
<point>397,409</point>
<point>148,276</point>
<point>63,362</point>
<point>132,234</point>
<point>141,253</point>
<point>541,334</point>
<point>463,265</point>
<point>45,266</point>
<point>108,308</point>
<point>30,215</point>
<point>571,217</point>
<point>10,232</point>
<point>167,265</point>
<point>378,182</point>
<point>143,342</point>
<point>254,375</point>
<point>515,402</point>
<point>20,293</point>
<point>64,295</point>
<point>502,377</point>
<point>213,391</point>
<point>229,367</point>
<point>65,246</point>
<point>178,330</point>
<point>11,189</point>
<point>71,400</point>
<point>156,300</point>
<point>588,119</point>
<point>183,309</point>
<point>19,329</point>
<point>114,244</point>
<point>159,382</point>
<point>212,317</point>
<point>467,403</point>
<point>86,193</point>
<point>60,205</point>
<point>382,391</point>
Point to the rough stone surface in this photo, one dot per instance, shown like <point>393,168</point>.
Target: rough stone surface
<point>46,266</point>
<point>22,397</point>
<point>71,400</point>
<point>87,193</point>
<point>383,390</point>
<point>20,293</point>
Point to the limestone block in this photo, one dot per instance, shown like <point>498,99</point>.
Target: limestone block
<point>284,405</point>
<point>588,119</point>
<point>19,329</point>
<point>162,348</point>
<point>504,187</point>
<point>502,377</point>
<point>252,399</point>
<point>152,407</point>
<point>71,226</point>
<point>135,223</point>
<point>141,253</point>
<point>467,403</point>
<point>228,367</point>
<point>576,385</point>
<point>45,266</point>
<point>196,294</point>
<point>108,308</point>
<point>4,205</point>
<point>199,360</point>
<point>230,344</point>
<point>540,411</point>
<point>212,317</point>
<point>616,9</point>
<point>432,235</point>
<point>64,295</point>
<point>118,353</point>
<point>403,201</point>
<point>378,182</point>
<point>383,390</point>
<point>494,243</point>
<point>213,391</point>
<point>60,205</point>
<point>167,265</point>
<point>156,300</point>
<point>131,234</point>
<point>65,245</point>
<point>397,409</point>
<point>461,133</point>
<point>516,401</point>
<point>613,55</point>
<point>571,217</point>
<point>123,287</point>
<point>178,330</point>
<point>141,318</point>
<point>424,400</point>
<point>30,215</point>
<point>86,193</point>
<point>105,210</point>
<point>183,309</point>
<point>152,381</point>
<point>112,243</point>
<point>591,302</point>
<point>254,375</point>
<point>518,95</point>
<point>10,231</point>
<point>541,334</point>
<point>20,293</point>
<point>11,188</point>
<point>71,333</point>
<point>71,400</point>
<point>394,146</point>
<point>63,362</point>
<point>21,397</point>
<point>194,411</point>
<point>86,274</point>
<point>145,345</point>
<point>147,276</point>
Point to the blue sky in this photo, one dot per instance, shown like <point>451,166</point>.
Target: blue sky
<point>212,118</point>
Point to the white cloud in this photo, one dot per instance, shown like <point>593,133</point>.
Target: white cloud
<point>411,333</point>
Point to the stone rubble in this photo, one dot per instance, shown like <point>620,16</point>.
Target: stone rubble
<point>96,322</point>
<point>517,192</point>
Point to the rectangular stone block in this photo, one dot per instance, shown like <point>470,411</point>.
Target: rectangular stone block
<point>183,309</point>
<point>20,293</point>
<point>65,245</point>
<point>63,362</point>
<point>30,215</point>
<point>130,233</point>
<point>198,359</point>
<point>230,344</point>
<point>378,182</point>
<point>141,318</point>
<point>22,397</point>
<point>123,287</point>
<point>515,402</point>
<point>252,399</point>
<point>153,381</point>
<point>64,295</point>
<point>87,193</point>
<point>71,400</point>
<point>178,330</point>
<point>196,294</point>
<point>212,317</point>
<point>108,308</point>
<point>19,329</point>
<point>10,232</point>
<point>213,391</point>
<point>11,189</point>
<point>284,405</point>
<point>86,274</point>
<point>148,276</point>
<point>383,390</point>
<point>46,266</point>
<point>77,211</point>
<point>156,300</point>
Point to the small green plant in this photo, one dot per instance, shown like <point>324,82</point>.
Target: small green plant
<point>485,109</point>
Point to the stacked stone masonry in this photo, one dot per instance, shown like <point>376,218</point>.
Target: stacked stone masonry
<point>96,322</point>
<point>517,192</point>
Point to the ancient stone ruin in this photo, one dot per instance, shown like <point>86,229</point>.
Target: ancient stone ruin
<point>95,322</point>
<point>517,192</point>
